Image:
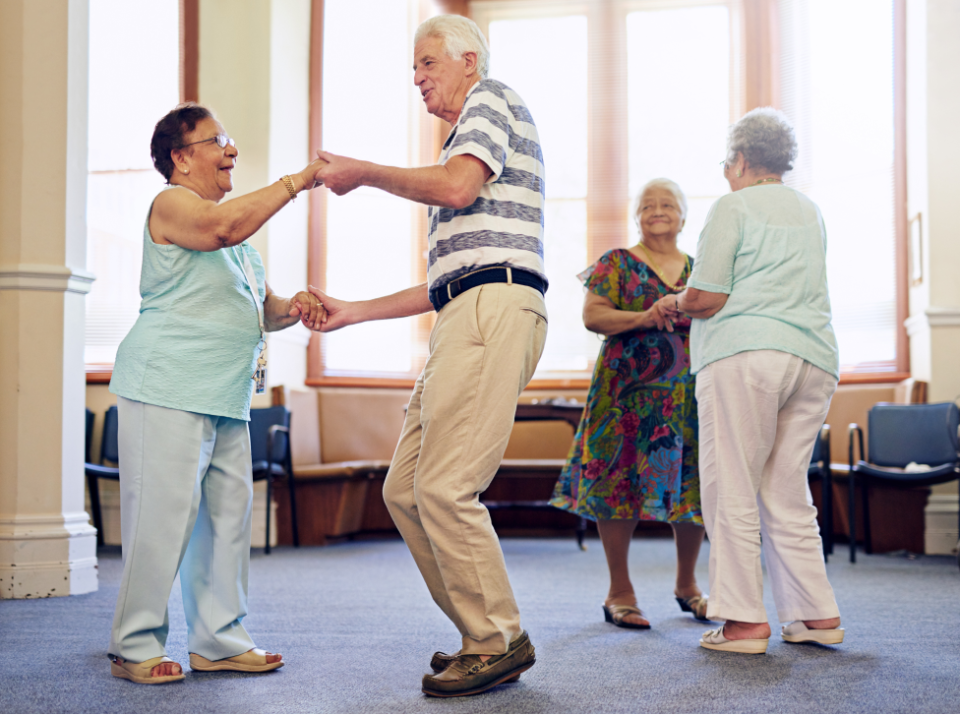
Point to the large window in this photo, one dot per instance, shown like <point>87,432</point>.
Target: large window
<point>840,97</point>
<point>134,80</point>
<point>624,91</point>
<point>371,240</point>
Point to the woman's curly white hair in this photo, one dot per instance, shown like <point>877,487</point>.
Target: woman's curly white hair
<point>766,139</point>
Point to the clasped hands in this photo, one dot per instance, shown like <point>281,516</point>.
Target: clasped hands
<point>319,312</point>
<point>666,313</point>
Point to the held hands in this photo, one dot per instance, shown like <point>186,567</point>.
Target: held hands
<point>665,313</point>
<point>308,308</point>
<point>336,313</point>
<point>340,174</point>
<point>308,175</point>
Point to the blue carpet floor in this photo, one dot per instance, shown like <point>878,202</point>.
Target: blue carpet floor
<point>357,627</point>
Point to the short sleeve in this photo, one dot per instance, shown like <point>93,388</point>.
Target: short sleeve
<point>717,248</point>
<point>484,130</point>
<point>603,277</point>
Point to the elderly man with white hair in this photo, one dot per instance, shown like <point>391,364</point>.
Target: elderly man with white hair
<point>486,280</point>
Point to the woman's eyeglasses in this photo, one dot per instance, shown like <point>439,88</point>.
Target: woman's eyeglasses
<point>221,139</point>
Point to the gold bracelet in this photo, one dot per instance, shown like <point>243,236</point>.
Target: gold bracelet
<point>288,183</point>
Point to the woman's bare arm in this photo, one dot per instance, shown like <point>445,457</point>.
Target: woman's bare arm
<point>183,218</point>
<point>600,315</point>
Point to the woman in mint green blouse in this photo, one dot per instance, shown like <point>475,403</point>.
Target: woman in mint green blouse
<point>184,377</point>
<point>766,360</point>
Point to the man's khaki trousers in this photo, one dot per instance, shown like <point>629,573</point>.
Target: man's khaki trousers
<point>483,351</point>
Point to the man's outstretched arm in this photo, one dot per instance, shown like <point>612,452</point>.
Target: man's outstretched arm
<point>341,313</point>
<point>453,185</point>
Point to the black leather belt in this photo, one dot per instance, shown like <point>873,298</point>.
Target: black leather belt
<point>443,295</point>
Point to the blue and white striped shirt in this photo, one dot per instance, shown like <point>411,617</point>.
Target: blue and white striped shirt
<point>504,226</point>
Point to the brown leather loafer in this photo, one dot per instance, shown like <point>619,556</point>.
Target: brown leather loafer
<point>441,661</point>
<point>468,675</point>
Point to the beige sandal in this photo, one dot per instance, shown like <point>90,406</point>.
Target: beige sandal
<point>140,672</point>
<point>616,613</point>
<point>253,661</point>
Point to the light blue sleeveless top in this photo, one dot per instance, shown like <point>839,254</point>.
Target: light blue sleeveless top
<point>194,345</point>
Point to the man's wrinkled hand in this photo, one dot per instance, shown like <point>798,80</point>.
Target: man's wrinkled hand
<point>341,174</point>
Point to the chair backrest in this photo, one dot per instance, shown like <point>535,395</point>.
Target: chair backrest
<point>261,420</point>
<point>925,434</point>
<point>88,435</point>
<point>109,443</point>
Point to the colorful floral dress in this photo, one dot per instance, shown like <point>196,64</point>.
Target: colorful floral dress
<point>635,453</point>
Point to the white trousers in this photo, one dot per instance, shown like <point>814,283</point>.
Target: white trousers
<point>760,412</point>
<point>186,492</point>
<point>483,351</point>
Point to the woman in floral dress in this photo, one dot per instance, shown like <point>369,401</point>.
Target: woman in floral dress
<point>634,456</point>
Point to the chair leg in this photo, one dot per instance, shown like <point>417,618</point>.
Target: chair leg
<point>581,532</point>
<point>266,542</point>
<point>94,487</point>
<point>852,517</point>
<point>293,510</point>
<point>867,538</point>
<point>826,487</point>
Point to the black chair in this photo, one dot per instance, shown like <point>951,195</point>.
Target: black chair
<point>270,452</point>
<point>819,469</point>
<point>899,435</point>
<point>110,451</point>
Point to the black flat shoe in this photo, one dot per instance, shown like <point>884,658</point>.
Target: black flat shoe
<point>616,613</point>
<point>697,605</point>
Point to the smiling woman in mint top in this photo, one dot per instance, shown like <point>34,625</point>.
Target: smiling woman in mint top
<point>184,377</point>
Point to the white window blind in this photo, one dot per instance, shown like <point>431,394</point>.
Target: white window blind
<point>134,80</point>
<point>836,85</point>
<point>681,87</point>
<point>371,111</point>
<point>557,100</point>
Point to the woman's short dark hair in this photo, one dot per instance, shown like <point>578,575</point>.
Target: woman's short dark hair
<point>170,131</point>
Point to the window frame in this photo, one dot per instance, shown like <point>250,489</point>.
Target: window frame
<point>189,70</point>
<point>756,26</point>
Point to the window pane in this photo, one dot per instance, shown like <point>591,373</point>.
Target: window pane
<point>678,77</point>
<point>840,97</point>
<point>122,180</point>
<point>368,98</point>
<point>557,99</point>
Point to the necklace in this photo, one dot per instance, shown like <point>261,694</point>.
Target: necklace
<point>659,271</point>
<point>769,181</point>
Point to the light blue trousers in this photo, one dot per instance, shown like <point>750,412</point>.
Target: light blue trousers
<point>186,491</point>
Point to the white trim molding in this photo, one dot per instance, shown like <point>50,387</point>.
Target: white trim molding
<point>44,555</point>
<point>933,317</point>
<point>43,276</point>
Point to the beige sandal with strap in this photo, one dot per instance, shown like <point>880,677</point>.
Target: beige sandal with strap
<point>140,672</point>
<point>253,661</point>
<point>616,613</point>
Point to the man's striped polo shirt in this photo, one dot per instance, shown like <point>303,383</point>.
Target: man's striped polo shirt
<point>504,226</point>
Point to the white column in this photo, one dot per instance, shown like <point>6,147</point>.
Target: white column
<point>933,146</point>
<point>47,547</point>
<point>254,73</point>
